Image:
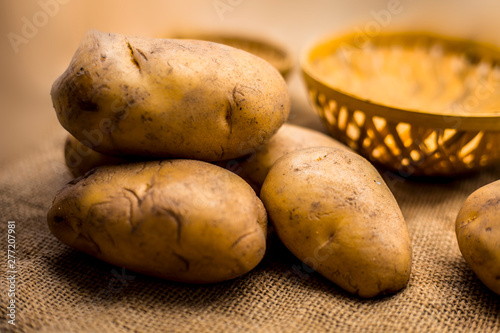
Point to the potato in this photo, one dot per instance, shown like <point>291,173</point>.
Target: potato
<point>80,158</point>
<point>161,98</point>
<point>252,168</point>
<point>478,234</point>
<point>182,220</point>
<point>267,49</point>
<point>255,167</point>
<point>332,210</point>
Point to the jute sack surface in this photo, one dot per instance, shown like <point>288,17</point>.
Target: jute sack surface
<point>61,290</point>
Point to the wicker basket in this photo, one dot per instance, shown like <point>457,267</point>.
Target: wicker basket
<point>416,103</point>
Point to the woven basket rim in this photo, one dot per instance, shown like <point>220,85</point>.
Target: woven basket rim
<point>464,121</point>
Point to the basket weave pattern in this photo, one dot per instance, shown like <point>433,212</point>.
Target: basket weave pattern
<point>407,148</point>
<point>412,136</point>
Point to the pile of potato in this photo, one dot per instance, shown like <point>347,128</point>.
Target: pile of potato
<point>181,153</point>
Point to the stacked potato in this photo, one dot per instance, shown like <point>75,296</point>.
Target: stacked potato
<point>146,116</point>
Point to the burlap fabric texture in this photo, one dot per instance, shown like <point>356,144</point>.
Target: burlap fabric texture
<point>62,290</point>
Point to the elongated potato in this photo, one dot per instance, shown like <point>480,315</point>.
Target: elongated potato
<point>182,220</point>
<point>255,167</point>
<point>478,234</point>
<point>169,98</point>
<point>332,209</point>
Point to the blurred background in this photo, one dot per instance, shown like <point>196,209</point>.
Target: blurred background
<point>39,37</point>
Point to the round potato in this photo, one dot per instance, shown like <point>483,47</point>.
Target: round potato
<point>80,158</point>
<point>182,220</point>
<point>332,210</point>
<point>478,234</point>
<point>255,167</point>
<point>162,98</point>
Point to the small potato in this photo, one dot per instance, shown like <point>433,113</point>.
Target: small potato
<point>255,167</point>
<point>478,234</point>
<point>332,210</point>
<point>162,98</point>
<point>182,220</point>
<point>80,158</point>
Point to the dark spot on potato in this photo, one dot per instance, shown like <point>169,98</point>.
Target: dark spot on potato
<point>58,219</point>
<point>315,205</point>
<point>120,114</point>
<point>487,229</point>
<point>146,119</point>
<point>89,106</point>
<point>493,202</point>
<point>151,136</point>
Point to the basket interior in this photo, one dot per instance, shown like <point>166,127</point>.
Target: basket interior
<point>414,103</point>
<point>413,72</point>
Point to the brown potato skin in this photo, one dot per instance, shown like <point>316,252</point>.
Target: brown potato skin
<point>163,98</point>
<point>181,220</point>
<point>255,167</point>
<point>478,233</point>
<point>332,210</point>
<point>80,159</point>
